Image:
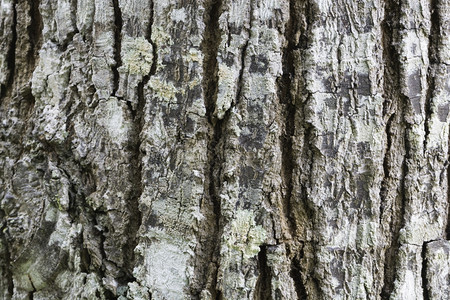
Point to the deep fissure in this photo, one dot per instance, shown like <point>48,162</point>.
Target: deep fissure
<point>302,16</point>
<point>138,115</point>
<point>11,55</point>
<point>34,32</point>
<point>263,285</point>
<point>392,96</point>
<point>288,111</point>
<point>31,293</point>
<point>7,253</point>
<point>150,40</point>
<point>243,56</point>
<point>426,295</point>
<point>447,229</point>
<point>433,40</point>
<point>386,167</point>
<point>296,273</point>
<point>118,22</point>
<point>210,46</point>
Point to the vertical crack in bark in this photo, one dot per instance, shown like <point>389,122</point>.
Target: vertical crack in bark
<point>31,293</point>
<point>149,39</point>
<point>288,112</point>
<point>386,163</point>
<point>138,115</point>
<point>243,56</point>
<point>426,295</point>
<point>433,48</point>
<point>263,287</point>
<point>117,44</point>
<point>303,15</point>
<point>296,273</point>
<point>11,55</point>
<point>447,230</point>
<point>287,100</point>
<point>241,71</point>
<point>135,215</point>
<point>34,33</point>
<point>210,46</point>
<point>393,107</point>
<point>7,254</point>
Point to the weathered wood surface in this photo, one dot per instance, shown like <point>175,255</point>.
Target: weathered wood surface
<point>220,149</point>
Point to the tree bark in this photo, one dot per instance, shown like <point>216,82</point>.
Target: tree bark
<point>222,149</point>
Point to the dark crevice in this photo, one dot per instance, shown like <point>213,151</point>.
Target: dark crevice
<point>241,71</point>
<point>435,34</point>
<point>309,16</point>
<point>117,43</point>
<point>386,166</point>
<point>302,17</point>
<point>6,254</point>
<point>426,295</point>
<point>210,46</point>
<point>135,215</point>
<point>11,55</point>
<point>393,107</point>
<point>288,110</point>
<point>31,293</point>
<point>263,288</point>
<point>428,109</point>
<point>34,32</point>
<point>447,230</point>
<point>243,56</point>
<point>296,274</point>
<point>148,36</point>
<point>396,224</point>
<point>433,46</point>
<point>85,257</point>
<point>138,115</point>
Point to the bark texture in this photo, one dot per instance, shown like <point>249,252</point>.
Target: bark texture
<point>223,149</point>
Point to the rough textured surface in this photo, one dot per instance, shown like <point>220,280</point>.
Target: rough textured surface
<point>221,149</point>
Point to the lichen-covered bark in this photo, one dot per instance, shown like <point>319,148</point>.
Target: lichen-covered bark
<point>219,149</point>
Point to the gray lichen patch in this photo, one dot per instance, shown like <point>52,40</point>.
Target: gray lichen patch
<point>244,235</point>
<point>137,55</point>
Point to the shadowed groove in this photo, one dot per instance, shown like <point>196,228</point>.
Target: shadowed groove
<point>391,86</point>
<point>7,253</point>
<point>288,108</point>
<point>243,56</point>
<point>263,287</point>
<point>34,32</point>
<point>118,22</point>
<point>210,45</point>
<point>138,115</point>
<point>11,55</point>
<point>447,229</point>
<point>433,46</point>
<point>423,274</point>
<point>303,15</point>
<point>288,111</point>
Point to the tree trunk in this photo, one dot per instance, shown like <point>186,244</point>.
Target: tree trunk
<point>224,149</point>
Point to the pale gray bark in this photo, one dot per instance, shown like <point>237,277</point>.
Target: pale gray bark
<point>220,149</point>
